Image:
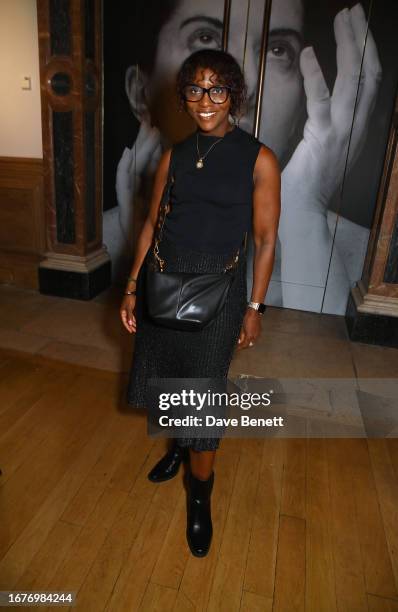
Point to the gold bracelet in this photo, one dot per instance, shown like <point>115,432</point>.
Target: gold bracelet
<point>131,279</point>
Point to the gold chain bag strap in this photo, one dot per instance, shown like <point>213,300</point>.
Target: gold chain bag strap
<point>183,300</point>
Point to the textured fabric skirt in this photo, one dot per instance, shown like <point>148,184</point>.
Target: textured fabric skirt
<point>161,352</point>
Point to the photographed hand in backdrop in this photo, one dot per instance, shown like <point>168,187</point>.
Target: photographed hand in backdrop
<point>118,222</point>
<point>317,166</point>
<point>141,159</point>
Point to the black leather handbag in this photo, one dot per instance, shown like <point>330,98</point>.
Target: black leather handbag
<point>182,300</point>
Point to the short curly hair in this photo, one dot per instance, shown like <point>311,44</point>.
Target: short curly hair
<point>227,69</point>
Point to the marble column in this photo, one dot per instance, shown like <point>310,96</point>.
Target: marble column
<point>75,264</point>
<point>372,310</point>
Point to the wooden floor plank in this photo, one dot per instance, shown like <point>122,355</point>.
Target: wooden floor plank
<point>183,604</point>
<point>261,562</point>
<point>255,603</point>
<point>293,483</point>
<point>387,491</point>
<point>158,598</point>
<point>320,581</point>
<point>379,576</point>
<point>290,568</point>
<point>174,553</point>
<point>229,574</point>
<point>347,560</point>
<point>380,604</point>
<point>392,446</point>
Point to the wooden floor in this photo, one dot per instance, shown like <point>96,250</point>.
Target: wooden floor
<point>299,525</point>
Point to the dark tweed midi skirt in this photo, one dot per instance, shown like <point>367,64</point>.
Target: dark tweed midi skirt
<point>161,352</point>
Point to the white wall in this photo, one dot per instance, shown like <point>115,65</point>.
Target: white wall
<point>20,119</point>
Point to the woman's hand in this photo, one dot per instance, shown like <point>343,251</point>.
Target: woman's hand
<point>127,313</point>
<point>251,329</point>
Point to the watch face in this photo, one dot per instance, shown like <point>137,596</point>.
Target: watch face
<point>261,308</point>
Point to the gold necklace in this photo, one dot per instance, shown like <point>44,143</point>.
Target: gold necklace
<point>199,163</point>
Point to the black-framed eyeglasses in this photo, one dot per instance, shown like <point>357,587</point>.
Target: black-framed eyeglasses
<point>217,94</point>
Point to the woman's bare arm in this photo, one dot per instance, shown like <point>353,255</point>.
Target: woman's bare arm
<point>266,213</point>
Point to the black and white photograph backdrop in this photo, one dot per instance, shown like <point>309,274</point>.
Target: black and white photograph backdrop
<point>330,84</point>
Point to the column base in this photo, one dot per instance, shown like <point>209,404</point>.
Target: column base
<point>372,319</point>
<point>72,276</point>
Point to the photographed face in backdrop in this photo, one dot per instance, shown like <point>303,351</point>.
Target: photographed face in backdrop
<point>194,26</point>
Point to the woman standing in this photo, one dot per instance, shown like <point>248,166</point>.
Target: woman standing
<point>225,181</point>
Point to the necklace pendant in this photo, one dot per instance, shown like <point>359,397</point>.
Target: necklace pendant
<point>199,163</point>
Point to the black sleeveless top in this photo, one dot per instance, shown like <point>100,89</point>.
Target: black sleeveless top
<point>211,207</point>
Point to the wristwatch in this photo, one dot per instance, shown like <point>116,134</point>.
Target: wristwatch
<point>259,306</point>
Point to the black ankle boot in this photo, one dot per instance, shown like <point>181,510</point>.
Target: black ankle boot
<point>199,525</point>
<point>168,465</point>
